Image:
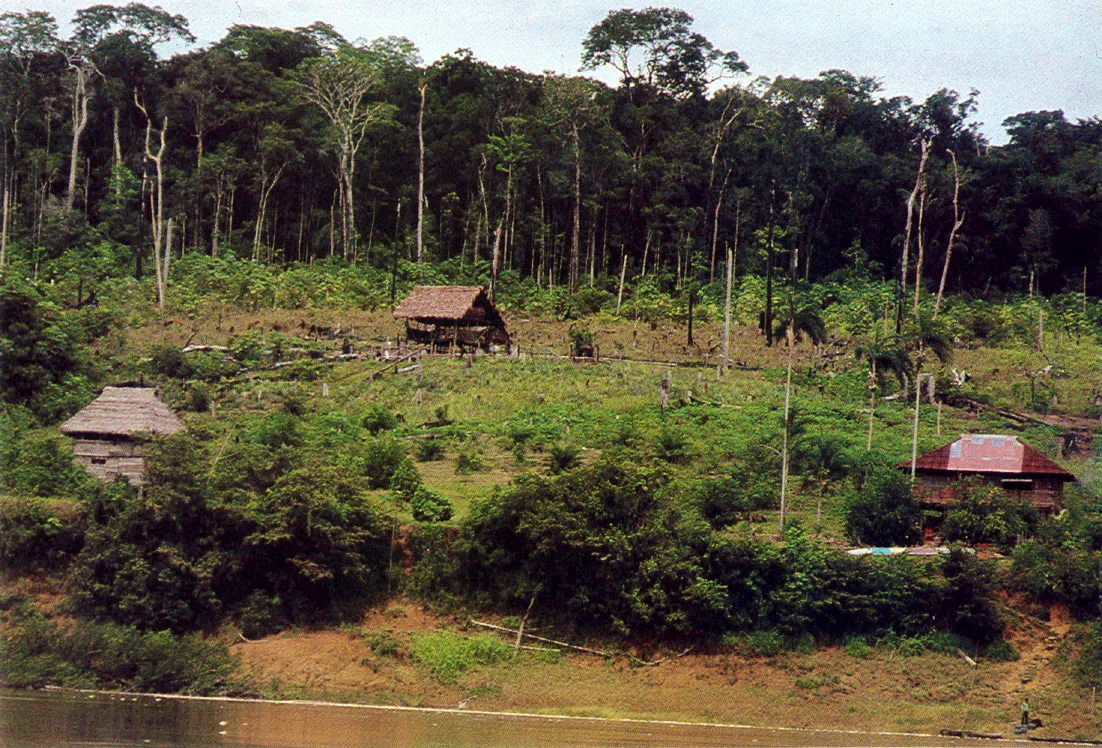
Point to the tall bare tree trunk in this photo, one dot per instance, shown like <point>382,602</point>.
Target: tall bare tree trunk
<point>958,221</point>
<point>921,245</point>
<point>4,223</point>
<point>790,335</point>
<point>157,202</point>
<point>575,234</point>
<point>727,309</point>
<point>925,145</point>
<point>421,177</point>
<point>715,227</point>
<point>82,73</point>
<point>872,404</point>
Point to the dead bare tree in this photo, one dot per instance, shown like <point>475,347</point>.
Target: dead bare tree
<point>157,203</point>
<point>925,146</point>
<point>421,176</point>
<point>958,221</point>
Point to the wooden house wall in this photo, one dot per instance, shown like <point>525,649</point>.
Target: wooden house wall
<point>108,459</point>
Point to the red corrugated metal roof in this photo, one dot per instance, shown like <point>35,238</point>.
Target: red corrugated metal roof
<point>988,453</point>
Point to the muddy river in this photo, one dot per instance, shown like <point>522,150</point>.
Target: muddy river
<point>37,719</point>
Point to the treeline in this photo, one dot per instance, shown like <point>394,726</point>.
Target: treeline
<point>289,146</point>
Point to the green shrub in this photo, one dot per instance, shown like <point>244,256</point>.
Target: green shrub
<point>884,512</point>
<point>384,644</point>
<point>198,399</point>
<point>765,643</point>
<point>380,458</point>
<point>1001,650</point>
<point>428,450</point>
<point>41,652</point>
<point>1088,665</point>
<point>429,506</point>
<point>857,648</point>
<point>984,513</point>
<point>447,656</point>
<point>263,614</point>
<point>469,461</point>
<point>37,534</point>
<point>379,418</point>
<point>168,360</point>
<point>562,457</point>
<point>405,481</point>
<point>672,445</point>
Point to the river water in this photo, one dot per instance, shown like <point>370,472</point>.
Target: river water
<point>37,719</point>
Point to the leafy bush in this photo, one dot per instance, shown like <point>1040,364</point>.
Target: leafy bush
<point>428,450</point>
<point>380,458</point>
<point>185,552</point>
<point>384,643</point>
<point>984,513</point>
<point>884,512</point>
<point>967,600</point>
<point>36,534</point>
<point>167,360</point>
<point>722,501</point>
<point>428,506</point>
<point>35,464</point>
<point>1088,666</point>
<point>379,418</point>
<point>562,456</point>
<point>405,481</point>
<point>42,652</point>
<point>602,547</point>
<point>469,461</point>
<point>857,648</point>
<point>672,445</point>
<point>1001,650</point>
<point>263,614</point>
<point>765,643</point>
<point>447,656</point>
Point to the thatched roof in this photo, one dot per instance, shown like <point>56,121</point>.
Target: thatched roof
<point>124,411</point>
<point>467,304</point>
<point>989,453</point>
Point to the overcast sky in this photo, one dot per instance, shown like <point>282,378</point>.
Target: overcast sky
<point>1022,55</point>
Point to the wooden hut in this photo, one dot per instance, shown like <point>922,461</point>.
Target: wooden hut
<point>452,316</point>
<point>110,431</point>
<point>1018,468</point>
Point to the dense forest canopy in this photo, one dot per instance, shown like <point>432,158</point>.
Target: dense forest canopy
<point>288,146</point>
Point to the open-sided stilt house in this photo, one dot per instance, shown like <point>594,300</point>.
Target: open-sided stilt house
<point>1018,468</point>
<point>110,432</point>
<point>452,316</point>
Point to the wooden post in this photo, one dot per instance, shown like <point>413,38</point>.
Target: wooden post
<point>727,311</point>
<point>664,391</point>
<point>623,271</point>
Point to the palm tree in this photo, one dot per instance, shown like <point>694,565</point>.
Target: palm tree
<point>925,334</point>
<point>885,354</point>
<point>824,456</point>
<point>793,326</point>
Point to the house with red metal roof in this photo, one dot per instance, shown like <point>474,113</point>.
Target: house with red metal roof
<point>1018,468</point>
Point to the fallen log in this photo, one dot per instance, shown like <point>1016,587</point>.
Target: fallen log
<point>556,642</point>
<point>970,734</point>
<point>966,658</point>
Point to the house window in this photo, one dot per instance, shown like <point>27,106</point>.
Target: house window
<point>99,460</point>
<point>1017,484</point>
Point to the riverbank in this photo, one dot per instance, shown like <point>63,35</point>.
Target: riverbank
<point>880,690</point>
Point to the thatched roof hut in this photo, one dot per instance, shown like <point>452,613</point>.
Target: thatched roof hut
<point>109,431</point>
<point>448,315</point>
<point>124,412</point>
